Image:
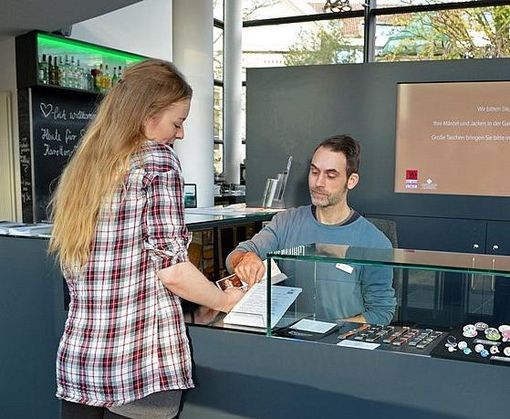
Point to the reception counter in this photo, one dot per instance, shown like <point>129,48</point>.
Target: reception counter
<point>33,311</point>
<point>238,373</point>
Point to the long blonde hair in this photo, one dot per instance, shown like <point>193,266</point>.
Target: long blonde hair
<point>100,163</point>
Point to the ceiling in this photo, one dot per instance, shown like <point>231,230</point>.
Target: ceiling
<point>20,16</point>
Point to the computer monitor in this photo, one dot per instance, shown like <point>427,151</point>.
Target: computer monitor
<point>190,195</point>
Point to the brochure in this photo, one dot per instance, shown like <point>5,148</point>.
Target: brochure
<point>251,310</point>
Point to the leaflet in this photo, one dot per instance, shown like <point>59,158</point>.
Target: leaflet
<point>314,326</point>
<point>251,309</point>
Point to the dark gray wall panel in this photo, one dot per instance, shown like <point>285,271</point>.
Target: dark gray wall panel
<point>32,318</point>
<point>445,234</point>
<point>290,109</point>
<point>240,375</point>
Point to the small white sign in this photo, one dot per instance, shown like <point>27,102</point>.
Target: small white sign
<point>358,345</point>
<point>313,326</point>
<point>344,267</point>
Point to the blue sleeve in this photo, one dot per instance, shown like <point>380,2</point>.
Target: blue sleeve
<point>266,240</point>
<point>377,291</point>
<point>378,294</point>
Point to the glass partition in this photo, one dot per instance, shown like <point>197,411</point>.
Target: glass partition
<point>440,304</point>
<point>412,301</point>
<point>405,258</point>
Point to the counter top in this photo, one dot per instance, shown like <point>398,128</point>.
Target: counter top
<point>195,219</point>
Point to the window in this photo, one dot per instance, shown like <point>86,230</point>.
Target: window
<point>444,35</point>
<point>319,42</point>
<point>218,53</point>
<point>218,162</point>
<point>274,9</point>
<point>218,10</point>
<point>300,32</point>
<point>218,133</point>
<point>399,3</point>
<point>218,89</point>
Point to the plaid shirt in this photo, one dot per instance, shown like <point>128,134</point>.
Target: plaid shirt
<point>125,336</point>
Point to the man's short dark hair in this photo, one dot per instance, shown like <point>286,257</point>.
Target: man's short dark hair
<point>348,146</point>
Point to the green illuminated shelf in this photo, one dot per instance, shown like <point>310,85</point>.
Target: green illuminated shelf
<point>30,48</point>
<point>55,45</point>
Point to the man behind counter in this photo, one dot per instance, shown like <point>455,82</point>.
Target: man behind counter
<point>363,295</point>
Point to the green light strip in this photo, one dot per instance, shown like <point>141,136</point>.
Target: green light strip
<point>75,46</point>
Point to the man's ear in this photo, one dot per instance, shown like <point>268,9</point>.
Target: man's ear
<point>353,181</point>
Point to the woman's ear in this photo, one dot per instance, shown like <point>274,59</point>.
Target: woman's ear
<point>148,127</point>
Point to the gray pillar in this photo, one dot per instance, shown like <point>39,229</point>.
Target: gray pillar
<point>192,23</point>
<point>232,90</point>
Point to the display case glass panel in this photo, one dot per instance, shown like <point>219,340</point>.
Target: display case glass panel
<point>412,301</point>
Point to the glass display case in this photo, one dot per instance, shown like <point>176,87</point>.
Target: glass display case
<point>449,305</point>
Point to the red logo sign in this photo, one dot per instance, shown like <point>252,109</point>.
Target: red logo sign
<point>411,174</point>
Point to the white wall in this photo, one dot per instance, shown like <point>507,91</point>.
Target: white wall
<point>144,28</point>
<point>193,49</point>
<point>9,155</point>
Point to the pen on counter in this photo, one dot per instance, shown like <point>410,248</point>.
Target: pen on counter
<point>353,332</point>
<point>296,333</point>
<point>347,334</point>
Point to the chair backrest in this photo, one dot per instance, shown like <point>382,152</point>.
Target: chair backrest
<point>388,227</point>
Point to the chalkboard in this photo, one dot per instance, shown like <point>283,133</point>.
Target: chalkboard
<point>25,156</point>
<point>59,119</point>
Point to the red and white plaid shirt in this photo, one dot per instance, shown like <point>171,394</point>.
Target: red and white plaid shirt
<point>125,336</point>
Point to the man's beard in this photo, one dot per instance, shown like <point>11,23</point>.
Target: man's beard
<point>327,200</point>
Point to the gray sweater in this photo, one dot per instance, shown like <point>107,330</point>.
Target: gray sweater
<point>336,293</point>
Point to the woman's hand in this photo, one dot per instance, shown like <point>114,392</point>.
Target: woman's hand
<point>232,296</point>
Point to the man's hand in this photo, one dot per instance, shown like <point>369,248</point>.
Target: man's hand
<point>249,268</point>
<point>356,319</point>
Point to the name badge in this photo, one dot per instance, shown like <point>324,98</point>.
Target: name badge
<point>344,267</point>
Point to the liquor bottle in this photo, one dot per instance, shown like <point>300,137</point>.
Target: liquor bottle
<point>75,75</point>
<point>43,70</point>
<point>119,73</point>
<point>50,70</point>
<point>78,74</point>
<point>60,75</point>
<point>99,78</point>
<point>107,79</point>
<point>80,77</point>
<point>93,73</point>
<point>54,72</point>
<point>115,78</point>
<point>90,79</point>
<point>65,73</point>
<point>96,76</point>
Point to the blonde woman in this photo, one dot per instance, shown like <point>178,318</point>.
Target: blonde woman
<point>121,240</point>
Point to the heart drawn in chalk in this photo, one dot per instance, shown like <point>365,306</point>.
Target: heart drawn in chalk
<point>46,109</point>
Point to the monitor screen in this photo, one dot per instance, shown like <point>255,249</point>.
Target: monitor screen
<point>453,138</point>
<point>190,195</point>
